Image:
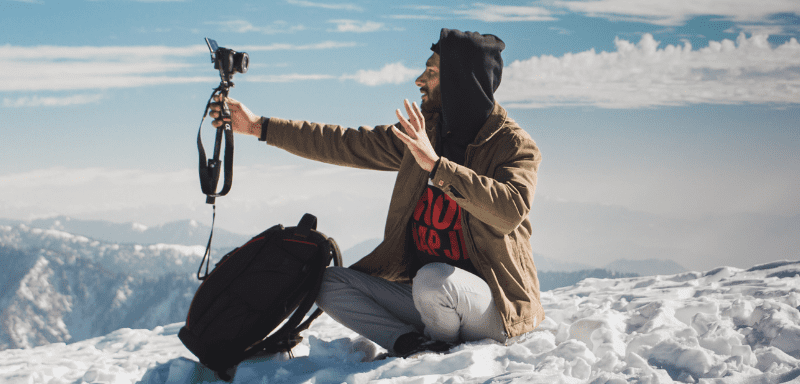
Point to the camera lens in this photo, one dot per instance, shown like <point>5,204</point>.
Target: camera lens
<point>241,61</point>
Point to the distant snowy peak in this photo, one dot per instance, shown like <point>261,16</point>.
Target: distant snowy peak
<point>138,227</point>
<point>135,259</point>
<point>185,232</point>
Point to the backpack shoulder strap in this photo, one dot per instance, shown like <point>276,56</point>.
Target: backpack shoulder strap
<point>288,336</point>
<point>337,261</point>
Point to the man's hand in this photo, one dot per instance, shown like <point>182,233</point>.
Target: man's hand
<point>416,138</point>
<point>242,120</point>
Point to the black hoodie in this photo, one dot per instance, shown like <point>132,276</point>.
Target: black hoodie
<point>470,68</point>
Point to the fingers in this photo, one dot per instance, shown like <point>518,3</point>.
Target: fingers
<point>410,129</point>
<point>217,122</point>
<point>414,114</point>
<point>217,99</point>
<point>409,111</point>
<point>403,137</point>
<point>418,112</point>
<point>415,123</point>
<point>216,106</point>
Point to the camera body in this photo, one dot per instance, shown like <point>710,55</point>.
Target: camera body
<point>231,61</point>
<point>227,61</point>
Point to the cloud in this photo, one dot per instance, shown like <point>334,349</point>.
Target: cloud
<point>53,52</point>
<point>504,13</point>
<point>395,73</point>
<point>351,206</point>
<point>561,31</point>
<point>289,77</point>
<point>757,17</point>
<point>344,25</point>
<point>479,11</point>
<point>415,17</point>
<point>762,29</point>
<point>243,26</point>
<point>304,47</point>
<point>644,75</point>
<point>36,101</point>
<point>61,68</point>
<point>343,6</point>
<point>677,12</point>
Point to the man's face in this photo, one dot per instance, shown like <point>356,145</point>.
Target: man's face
<point>428,84</point>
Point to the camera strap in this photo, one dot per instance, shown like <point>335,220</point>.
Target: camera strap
<point>209,169</point>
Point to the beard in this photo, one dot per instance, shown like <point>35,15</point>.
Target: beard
<point>433,100</point>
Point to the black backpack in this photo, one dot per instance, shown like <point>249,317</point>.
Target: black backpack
<point>252,290</point>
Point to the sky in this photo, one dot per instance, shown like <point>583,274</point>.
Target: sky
<point>682,112</point>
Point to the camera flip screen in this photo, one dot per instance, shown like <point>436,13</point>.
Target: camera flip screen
<point>212,45</point>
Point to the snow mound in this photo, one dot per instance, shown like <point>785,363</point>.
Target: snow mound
<point>727,325</point>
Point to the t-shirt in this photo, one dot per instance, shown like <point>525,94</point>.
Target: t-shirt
<point>436,234</point>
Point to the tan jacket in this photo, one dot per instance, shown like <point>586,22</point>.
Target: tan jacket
<point>495,191</point>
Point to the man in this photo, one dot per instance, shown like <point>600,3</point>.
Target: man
<point>457,228</point>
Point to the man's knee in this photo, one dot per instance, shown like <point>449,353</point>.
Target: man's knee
<point>432,278</point>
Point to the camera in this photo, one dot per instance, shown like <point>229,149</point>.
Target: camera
<point>227,61</point>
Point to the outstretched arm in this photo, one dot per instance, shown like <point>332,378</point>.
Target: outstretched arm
<point>366,147</point>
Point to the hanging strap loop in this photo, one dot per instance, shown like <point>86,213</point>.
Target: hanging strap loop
<point>209,169</point>
<point>207,254</point>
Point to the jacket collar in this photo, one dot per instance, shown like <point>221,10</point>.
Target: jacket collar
<point>492,125</point>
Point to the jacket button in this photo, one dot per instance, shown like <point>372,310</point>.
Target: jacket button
<point>441,183</point>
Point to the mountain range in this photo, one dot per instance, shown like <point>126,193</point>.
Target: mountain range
<point>644,267</point>
<point>185,232</point>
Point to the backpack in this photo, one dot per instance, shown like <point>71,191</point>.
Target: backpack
<point>252,290</point>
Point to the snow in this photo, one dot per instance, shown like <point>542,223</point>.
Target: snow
<point>727,325</point>
<point>185,250</point>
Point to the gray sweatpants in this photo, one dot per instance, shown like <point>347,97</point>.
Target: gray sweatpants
<point>444,302</point>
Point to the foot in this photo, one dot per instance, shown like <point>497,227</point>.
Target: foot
<point>414,343</point>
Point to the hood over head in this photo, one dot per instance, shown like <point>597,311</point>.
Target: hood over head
<point>470,69</point>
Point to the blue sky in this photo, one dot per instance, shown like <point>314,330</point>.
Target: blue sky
<point>679,109</point>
